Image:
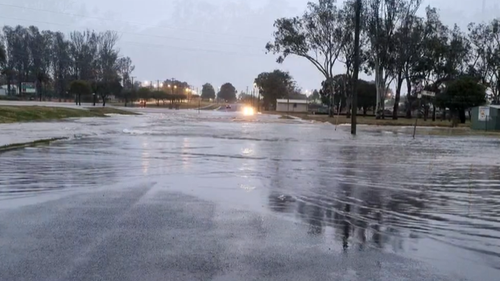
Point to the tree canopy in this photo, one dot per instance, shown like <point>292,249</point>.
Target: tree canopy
<point>398,47</point>
<point>461,94</point>
<point>52,60</point>
<point>275,85</point>
<point>207,91</point>
<point>80,88</point>
<point>227,92</point>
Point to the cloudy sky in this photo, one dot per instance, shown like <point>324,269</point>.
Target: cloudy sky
<point>200,41</point>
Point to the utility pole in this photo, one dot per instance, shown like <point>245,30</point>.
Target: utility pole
<point>132,94</point>
<point>354,105</point>
<point>258,100</point>
<point>199,100</point>
<point>251,96</point>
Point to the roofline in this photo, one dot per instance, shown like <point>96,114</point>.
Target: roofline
<point>291,101</point>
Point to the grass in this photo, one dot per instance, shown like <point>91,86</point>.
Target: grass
<point>12,114</point>
<point>110,110</point>
<point>184,105</point>
<point>388,121</point>
<point>15,146</point>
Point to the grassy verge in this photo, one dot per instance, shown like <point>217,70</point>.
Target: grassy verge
<point>15,146</point>
<point>183,105</point>
<point>377,122</point>
<point>11,114</point>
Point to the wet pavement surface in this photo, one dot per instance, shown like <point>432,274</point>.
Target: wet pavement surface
<point>219,196</point>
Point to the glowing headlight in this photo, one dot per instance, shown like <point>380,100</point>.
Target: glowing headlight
<point>247,110</point>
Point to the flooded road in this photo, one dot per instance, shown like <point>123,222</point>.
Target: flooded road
<point>220,196</point>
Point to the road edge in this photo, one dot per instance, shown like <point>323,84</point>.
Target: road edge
<point>15,146</point>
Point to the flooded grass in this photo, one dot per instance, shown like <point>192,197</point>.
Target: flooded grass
<point>369,120</point>
<point>12,114</point>
<point>15,146</point>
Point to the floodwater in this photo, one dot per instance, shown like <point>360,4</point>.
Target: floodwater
<point>181,195</point>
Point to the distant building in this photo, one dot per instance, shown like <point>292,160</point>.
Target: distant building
<point>486,118</point>
<point>286,105</point>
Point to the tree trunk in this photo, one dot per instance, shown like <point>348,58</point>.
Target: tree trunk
<point>38,87</point>
<point>433,113</point>
<point>348,108</point>
<point>380,91</point>
<point>408,99</point>
<point>461,115</point>
<point>364,110</point>
<point>9,86</point>
<point>395,112</point>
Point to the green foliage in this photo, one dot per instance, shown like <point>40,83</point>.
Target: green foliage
<point>53,61</point>
<point>227,92</point>
<point>3,55</point>
<point>461,94</point>
<point>274,85</point>
<point>207,92</point>
<point>80,87</point>
<point>144,93</point>
<point>317,36</point>
<point>367,95</point>
<point>315,95</point>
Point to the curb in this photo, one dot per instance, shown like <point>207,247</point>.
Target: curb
<point>15,146</point>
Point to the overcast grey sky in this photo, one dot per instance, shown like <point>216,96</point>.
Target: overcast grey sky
<point>200,41</point>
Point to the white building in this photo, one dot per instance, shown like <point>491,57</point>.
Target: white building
<point>286,105</point>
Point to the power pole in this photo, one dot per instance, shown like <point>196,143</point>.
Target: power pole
<point>199,100</point>
<point>356,68</point>
<point>251,101</point>
<point>258,100</point>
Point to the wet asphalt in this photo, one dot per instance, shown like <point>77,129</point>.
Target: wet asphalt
<point>220,196</point>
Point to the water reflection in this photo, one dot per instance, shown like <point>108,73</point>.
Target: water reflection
<point>145,156</point>
<point>429,198</point>
<point>56,167</point>
<point>373,204</point>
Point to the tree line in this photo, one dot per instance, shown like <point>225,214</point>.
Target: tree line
<point>280,84</point>
<point>397,47</point>
<point>52,61</point>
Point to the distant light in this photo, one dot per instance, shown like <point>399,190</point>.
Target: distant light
<point>169,85</point>
<point>248,111</point>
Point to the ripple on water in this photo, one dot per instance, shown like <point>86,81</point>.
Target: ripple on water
<point>431,198</point>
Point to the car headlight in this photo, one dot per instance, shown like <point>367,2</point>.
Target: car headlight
<point>247,110</point>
